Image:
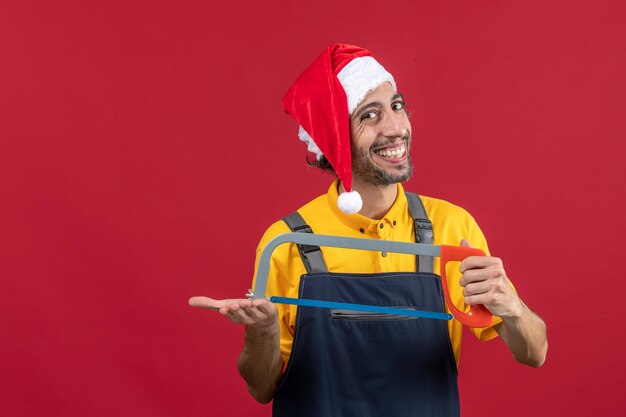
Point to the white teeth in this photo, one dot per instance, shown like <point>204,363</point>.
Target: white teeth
<point>396,153</point>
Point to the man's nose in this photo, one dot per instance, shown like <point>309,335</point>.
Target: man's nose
<point>394,125</point>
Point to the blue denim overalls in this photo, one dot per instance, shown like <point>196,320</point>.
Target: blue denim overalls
<point>347,363</point>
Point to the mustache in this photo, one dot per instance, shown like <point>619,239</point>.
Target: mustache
<point>385,141</point>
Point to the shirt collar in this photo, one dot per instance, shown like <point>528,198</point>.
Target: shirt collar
<point>361,223</point>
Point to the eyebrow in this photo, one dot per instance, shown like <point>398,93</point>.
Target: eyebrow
<point>375,104</point>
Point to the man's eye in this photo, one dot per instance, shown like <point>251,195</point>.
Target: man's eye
<point>369,115</point>
<point>398,105</point>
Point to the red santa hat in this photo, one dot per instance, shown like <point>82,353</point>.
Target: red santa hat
<point>322,100</point>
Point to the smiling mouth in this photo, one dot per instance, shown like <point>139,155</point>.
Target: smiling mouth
<point>392,153</point>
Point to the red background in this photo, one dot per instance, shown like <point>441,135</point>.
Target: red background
<point>144,151</point>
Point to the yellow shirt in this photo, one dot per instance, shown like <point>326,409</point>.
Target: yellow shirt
<point>450,224</point>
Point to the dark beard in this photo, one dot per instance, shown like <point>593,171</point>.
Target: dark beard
<point>365,170</point>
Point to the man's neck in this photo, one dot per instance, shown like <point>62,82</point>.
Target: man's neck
<point>377,199</point>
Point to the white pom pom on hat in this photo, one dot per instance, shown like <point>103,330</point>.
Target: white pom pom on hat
<point>350,202</point>
<point>322,99</point>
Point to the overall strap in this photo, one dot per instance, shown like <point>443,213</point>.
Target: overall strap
<point>423,231</point>
<point>311,255</point>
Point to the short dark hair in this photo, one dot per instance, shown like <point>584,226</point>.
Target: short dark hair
<point>321,163</point>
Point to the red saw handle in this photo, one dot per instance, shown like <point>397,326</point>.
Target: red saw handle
<point>478,315</point>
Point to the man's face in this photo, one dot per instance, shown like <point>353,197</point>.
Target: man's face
<point>381,135</point>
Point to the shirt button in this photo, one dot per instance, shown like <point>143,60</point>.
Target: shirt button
<point>384,254</point>
<point>394,222</point>
<point>362,230</point>
<point>382,225</point>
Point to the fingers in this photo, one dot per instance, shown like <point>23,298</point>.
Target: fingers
<point>242,311</point>
<point>206,302</point>
<point>473,262</point>
<point>258,314</point>
<point>481,274</point>
<point>485,282</point>
<point>262,312</point>
<point>487,299</point>
<point>477,288</point>
<point>234,305</point>
<point>489,286</point>
<point>237,315</point>
<point>477,262</point>
<point>234,309</point>
<point>481,291</point>
<point>465,244</point>
<point>210,303</point>
<point>476,284</point>
<point>265,306</point>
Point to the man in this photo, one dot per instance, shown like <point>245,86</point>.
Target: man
<point>343,362</point>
